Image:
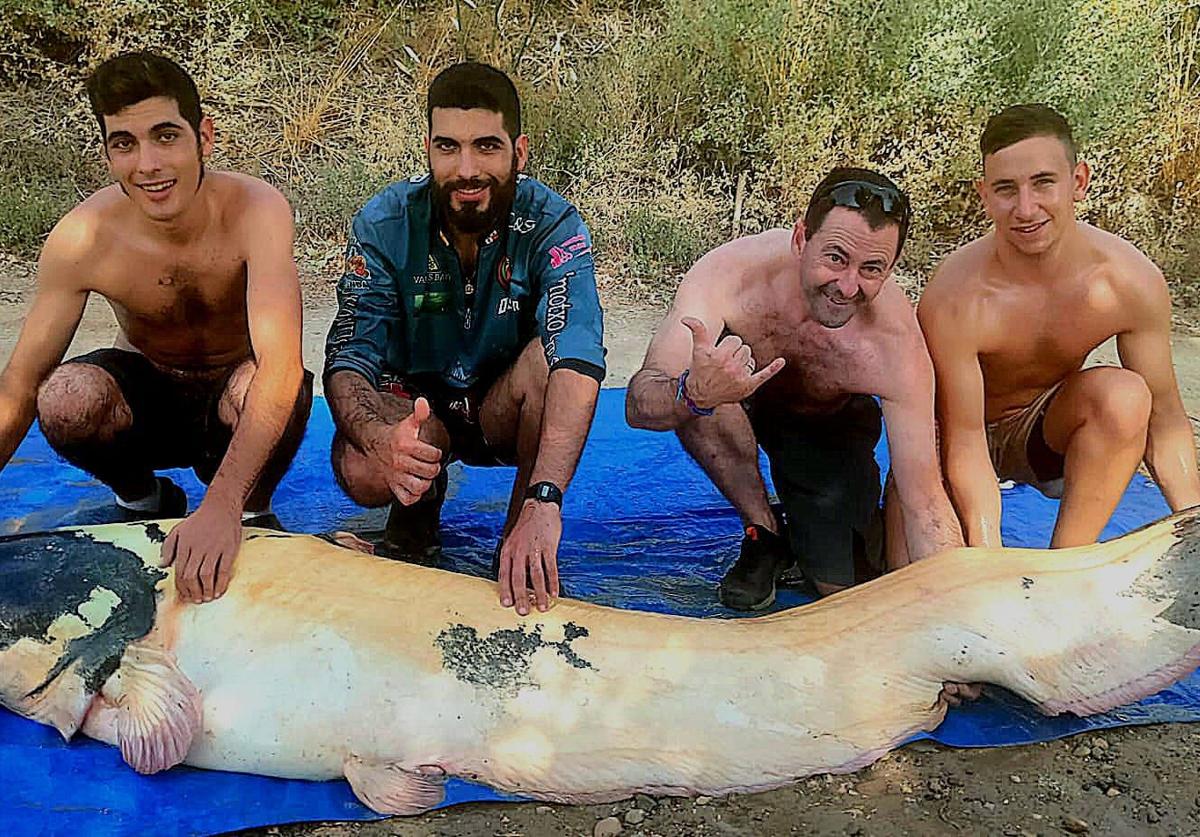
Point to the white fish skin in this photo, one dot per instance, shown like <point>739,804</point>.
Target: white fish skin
<point>321,662</point>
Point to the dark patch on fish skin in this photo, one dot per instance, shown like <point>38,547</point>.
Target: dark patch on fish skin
<point>501,660</point>
<point>257,535</point>
<point>1176,575</point>
<point>155,533</point>
<point>1026,583</point>
<point>44,576</point>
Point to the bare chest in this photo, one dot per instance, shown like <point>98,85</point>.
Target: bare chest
<point>1034,345</point>
<point>821,370</point>
<point>177,290</point>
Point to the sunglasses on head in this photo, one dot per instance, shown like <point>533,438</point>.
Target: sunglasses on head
<point>856,194</point>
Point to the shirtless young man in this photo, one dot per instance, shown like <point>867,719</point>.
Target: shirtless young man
<point>813,309</point>
<point>206,372</point>
<point>468,328</point>
<point>1010,318</point>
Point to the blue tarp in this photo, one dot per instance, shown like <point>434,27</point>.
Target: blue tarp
<point>643,528</point>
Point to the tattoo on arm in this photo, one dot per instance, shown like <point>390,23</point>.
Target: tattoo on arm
<point>359,410</point>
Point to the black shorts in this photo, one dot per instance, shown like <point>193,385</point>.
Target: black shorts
<point>827,479</point>
<point>458,410</point>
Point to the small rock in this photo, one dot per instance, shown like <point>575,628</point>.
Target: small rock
<point>1152,816</point>
<point>703,800</point>
<point>1015,779</point>
<point>1075,825</point>
<point>646,803</point>
<point>543,809</point>
<point>1082,751</point>
<point>634,816</point>
<point>607,827</point>
<point>1111,792</point>
<point>1099,743</point>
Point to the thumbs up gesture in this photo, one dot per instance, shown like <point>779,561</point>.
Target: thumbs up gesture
<point>724,372</point>
<point>412,462</point>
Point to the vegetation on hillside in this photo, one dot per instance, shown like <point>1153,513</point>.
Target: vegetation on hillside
<point>672,124</point>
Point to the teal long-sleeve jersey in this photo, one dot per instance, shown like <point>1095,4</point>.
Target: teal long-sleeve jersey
<point>406,310</point>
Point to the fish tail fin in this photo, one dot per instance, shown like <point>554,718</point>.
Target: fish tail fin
<point>1098,626</point>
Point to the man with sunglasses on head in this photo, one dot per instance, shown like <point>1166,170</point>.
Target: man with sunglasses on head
<point>1010,319</point>
<point>781,340</point>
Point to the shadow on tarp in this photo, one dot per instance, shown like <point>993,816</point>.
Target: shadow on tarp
<point>643,529</point>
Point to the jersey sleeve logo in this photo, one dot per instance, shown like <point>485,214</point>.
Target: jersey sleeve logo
<point>564,252</point>
<point>504,273</point>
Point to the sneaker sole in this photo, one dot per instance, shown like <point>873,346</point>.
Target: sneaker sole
<point>762,605</point>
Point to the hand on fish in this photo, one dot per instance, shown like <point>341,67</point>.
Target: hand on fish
<point>410,462</point>
<point>529,557</point>
<point>203,547</point>
<point>723,372</point>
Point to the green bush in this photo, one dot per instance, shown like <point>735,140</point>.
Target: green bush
<point>646,114</point>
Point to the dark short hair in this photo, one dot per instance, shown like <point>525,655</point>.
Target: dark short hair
<point>473,85</point>
<point>822,202</point>
<point>136,76</point>
<point>1020,122</point>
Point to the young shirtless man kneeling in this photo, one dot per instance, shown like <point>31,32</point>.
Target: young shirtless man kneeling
<point>1010,319</point>
<point>206,371</point>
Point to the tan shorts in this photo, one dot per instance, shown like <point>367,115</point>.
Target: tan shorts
<point>1019,451</point>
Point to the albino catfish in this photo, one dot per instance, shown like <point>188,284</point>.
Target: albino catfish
<point>322,662</point>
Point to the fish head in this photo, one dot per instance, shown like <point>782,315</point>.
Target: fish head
<point>70,603</point>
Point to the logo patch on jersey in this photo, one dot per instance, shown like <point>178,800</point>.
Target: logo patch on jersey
<point>492,238</point>
<point>504,273</point>
<point>356,274</point>
<point>508,303</point>
<point>557,306</point>
<point>433,265</point>
<point>564,252</point>
<point>521,226</point>
<point>437,302</point>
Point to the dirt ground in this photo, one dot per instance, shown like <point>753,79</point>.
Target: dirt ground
<point>1129,781</point>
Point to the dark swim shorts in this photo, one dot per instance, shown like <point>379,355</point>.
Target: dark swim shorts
<point>827,479</point>
<point>458,410</point>
<point>175,422</point>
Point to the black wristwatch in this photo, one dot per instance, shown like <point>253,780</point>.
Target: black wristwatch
<point>544,492</point>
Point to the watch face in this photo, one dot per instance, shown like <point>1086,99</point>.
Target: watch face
<point>546,493</point>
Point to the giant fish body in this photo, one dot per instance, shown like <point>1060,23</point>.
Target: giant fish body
<point>321,662</point>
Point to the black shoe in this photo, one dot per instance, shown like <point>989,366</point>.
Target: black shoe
<point>412,531</point>
<point>750,582</point>
<point>172,502</point>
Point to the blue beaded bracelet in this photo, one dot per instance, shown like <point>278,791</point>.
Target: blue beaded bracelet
<point>681,395</point>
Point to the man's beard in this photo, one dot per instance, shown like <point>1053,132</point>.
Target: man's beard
<point>471,220</point>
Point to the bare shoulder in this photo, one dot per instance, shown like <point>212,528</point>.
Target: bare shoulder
<point>83,236</point>
<point>897,338</point>
<point>248,199</point>
<point>721,274</point>
<point>955,292</point>
<point>1128,269</point>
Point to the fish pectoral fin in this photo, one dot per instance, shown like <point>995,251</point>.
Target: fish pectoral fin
<point>388,788</point>
<point>157,709</point>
